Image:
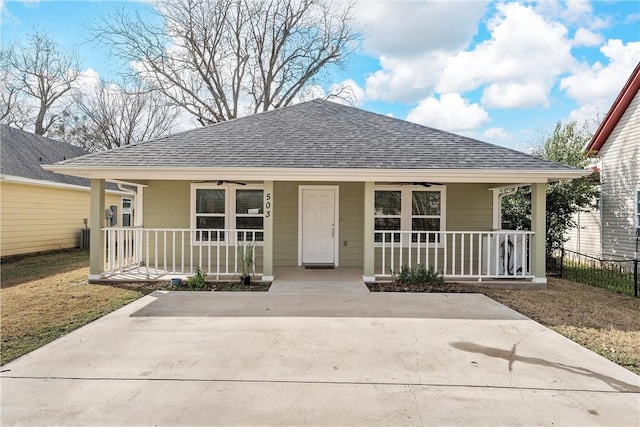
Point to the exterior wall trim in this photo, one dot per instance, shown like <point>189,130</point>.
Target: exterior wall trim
<point>320,174</point>
<point>43,183</point>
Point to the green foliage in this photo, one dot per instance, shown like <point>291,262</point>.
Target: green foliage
<point>564,145</point>
<point>245,259</point>
<point>198,280</point>
<point>419,276</point>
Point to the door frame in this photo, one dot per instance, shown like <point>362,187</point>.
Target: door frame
<point>336,218</point>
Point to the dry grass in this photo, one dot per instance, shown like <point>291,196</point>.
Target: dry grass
<point>603,321</point>
<point>35,312</point>
<point>21,268</point>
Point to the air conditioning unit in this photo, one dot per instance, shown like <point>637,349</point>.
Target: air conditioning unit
<point>509,254</point>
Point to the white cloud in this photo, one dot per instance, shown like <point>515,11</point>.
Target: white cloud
<point>497,134</point>
<point>584,37</point>
<point>451,112</point>
<point>602,82</point>
<point>406,80</point>
<point>594,87</point>
<point>573,13</point>
<point>525,51</point>
<point>515,95</point>
<point>407,28</point>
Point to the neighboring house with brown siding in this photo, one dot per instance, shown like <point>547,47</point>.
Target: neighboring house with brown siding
<point>41,210</point>
<point>617,144</point>
<point>319,184</point>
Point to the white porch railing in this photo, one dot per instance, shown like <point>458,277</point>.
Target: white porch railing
<point>456,254</point>
<point>154,252</point>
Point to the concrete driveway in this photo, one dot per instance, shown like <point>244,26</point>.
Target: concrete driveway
<point>192,358</point>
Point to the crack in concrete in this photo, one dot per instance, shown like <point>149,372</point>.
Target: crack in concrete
<point>415,351</point>
<point>417,405</point>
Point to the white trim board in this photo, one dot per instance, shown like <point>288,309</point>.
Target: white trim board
<point>44,183</point>
<point>318,174</point>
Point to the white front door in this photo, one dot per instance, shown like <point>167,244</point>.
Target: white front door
<point>318,227</point>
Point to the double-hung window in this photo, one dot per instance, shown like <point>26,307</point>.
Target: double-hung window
<point>409,208</point>
<point>210,213</point>
<point>388,214</point>
<point>425,215</point>
<point>249,214</point>
<point>216,208</point>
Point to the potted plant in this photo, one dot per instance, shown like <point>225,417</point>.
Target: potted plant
<point>245,262</point>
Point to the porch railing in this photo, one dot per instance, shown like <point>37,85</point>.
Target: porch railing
<point>455,254</point>
<point>154,252</point>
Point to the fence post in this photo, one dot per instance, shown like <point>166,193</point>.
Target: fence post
<point>562,262</point>
<point>635,276</point>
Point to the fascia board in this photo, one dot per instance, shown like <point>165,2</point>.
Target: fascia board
<point>320,174</point>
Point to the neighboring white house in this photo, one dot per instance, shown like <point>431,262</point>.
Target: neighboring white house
<point>617,144</point>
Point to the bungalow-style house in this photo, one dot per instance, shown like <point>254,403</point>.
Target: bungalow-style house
<point>617,144</point>
<point>41,210</point>
<point>318,184</point>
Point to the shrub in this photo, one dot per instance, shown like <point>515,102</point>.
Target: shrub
<point>198,280</point>
<point>419,276</point>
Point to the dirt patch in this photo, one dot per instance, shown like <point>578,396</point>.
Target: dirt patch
<point>148,287</point>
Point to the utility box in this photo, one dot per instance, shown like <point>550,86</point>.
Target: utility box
<point>85,238</point>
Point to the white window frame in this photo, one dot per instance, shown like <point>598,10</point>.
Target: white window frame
<point>406,209</point>
<point>229,209</point>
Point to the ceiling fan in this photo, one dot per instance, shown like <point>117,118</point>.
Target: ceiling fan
<point>422,184</point>
<point>223,181</point>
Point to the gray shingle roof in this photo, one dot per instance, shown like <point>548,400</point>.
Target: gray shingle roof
<point>317,134</point>
<point>22,153</point>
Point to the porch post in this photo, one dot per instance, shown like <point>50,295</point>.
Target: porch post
<point>539,227</point>
<point>96,223</point>
<point>368,274</point>
<point>267,248</point>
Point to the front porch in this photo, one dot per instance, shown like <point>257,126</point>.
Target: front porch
<point>353,224</point>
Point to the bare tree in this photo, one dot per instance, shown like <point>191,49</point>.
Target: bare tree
<point>116,115</point>
<point>37,80</point>
<point>220,58</point>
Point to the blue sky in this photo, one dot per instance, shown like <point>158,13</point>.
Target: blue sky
<point>503,72</point>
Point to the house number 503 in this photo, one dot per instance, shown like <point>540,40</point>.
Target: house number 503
<point>267,206</point>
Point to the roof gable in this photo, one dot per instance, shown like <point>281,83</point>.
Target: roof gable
<point>312,135</point>
<point>620,105</point>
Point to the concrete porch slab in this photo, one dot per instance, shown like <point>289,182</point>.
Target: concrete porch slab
<point>300,279</point>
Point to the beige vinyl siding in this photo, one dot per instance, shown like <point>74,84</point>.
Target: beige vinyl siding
<point>469,207</point>
<point>620,181</point>
<point>585,238</point>
<point>167,204</point>
<point>40,218</point>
